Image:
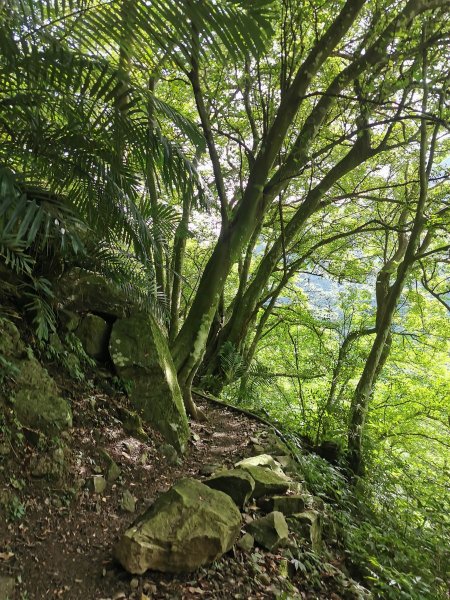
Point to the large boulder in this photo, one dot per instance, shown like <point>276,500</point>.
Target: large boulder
<point>270,531</point>
<point>236,483</point>
<point>189,526</point>
<point>140,354</point>
<point>83,291</point>
<point>93,332</point>
<point>35,396</point>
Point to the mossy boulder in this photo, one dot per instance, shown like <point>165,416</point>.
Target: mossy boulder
<point>270,531</point>
<point>93,332</point>
<point>236,483</point>
<point>83,291</point>
<point>35,395</point>
<point>267,482</point>
<point>141,356</point>
<point>189,526</point>
<point>36,399</point>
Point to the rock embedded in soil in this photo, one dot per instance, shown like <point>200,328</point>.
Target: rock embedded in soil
<point>128,501</point>
<point>246,542</point>
<point>93,332</point>
<point>83,291</point>
<point>270,531</point>
<point>141,356</point>
<point>288,505</point>
<point>99,483</point>
<point>236,483</point>
<point>309,525</point>
<point>189,526</point>
<point>36,397</point>
<point>267,482</point>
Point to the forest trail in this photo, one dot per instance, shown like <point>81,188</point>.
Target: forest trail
<point>61,547</point>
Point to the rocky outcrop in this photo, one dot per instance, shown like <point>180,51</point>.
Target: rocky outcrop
<point>35,395</point>
<point>236,483</point>
<point>141,356</point>
<point>270,531</point>
<point>187,527</point>
<point>83,291</point>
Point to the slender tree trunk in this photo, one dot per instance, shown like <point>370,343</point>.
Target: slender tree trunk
<point>381,345</point>
<point>189,345</point>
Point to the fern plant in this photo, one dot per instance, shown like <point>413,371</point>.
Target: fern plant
<point>83,135</point>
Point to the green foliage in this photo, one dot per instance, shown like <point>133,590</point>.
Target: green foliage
<point>395,544</point>
<point>15,509</point>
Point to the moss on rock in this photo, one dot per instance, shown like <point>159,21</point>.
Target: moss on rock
<point>189,526</point>
<point>141,355</point>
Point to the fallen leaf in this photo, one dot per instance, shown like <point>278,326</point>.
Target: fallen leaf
<point>6,555</point>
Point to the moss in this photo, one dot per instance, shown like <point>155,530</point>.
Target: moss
<point>140,353</point>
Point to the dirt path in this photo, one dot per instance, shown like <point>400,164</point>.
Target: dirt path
<point>61,546</point>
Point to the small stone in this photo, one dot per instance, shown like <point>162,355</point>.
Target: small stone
<point>5,449</point>
<point>134,583</point>
<point>170,454</point>
<point>128,501</point>
<point>270,531</point>
<point>209,469</point>
<point>99,484</point>
<point>114,472</point>
<point>246,542</point>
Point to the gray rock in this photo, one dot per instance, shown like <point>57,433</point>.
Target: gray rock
<point>246,542</point>
<point>236,483</point>
<point>99,483</point>
<point>83,291</point>
<point>288,505</point>
<point>128,501</point>
<point>113,471</point>
<point>189,526</point>
<point>267,482</point>
<point>308,524</point>
<point>170,454</point>
<point>270,531</point>
<point>141,355</point>
<point>93,332</point>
